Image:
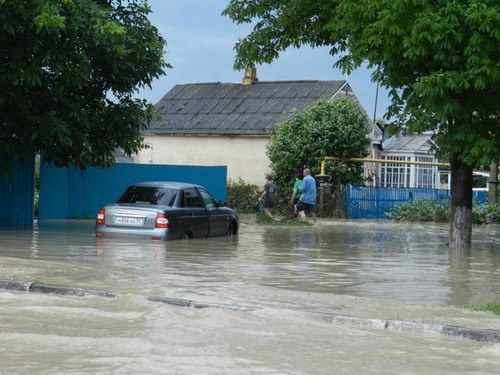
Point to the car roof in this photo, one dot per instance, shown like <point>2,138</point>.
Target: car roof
<point>167,184</point>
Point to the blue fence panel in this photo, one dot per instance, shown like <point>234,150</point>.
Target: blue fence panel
<point>54,192</point>
<point>480,196</point>
<point>17,193</point>
<point>364,202</point>
<point>67,193</point>
<point>361,203</point>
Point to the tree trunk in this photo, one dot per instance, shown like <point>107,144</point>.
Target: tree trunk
<point>493,184</point>
<point>461,203</point>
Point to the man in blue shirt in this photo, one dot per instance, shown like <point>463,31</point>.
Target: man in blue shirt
<point>307,202</point>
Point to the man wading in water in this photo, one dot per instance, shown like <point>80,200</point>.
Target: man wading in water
<point>306,205</point>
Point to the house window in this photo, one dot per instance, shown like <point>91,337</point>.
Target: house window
<point>394,174</point>
<point>425,174</point>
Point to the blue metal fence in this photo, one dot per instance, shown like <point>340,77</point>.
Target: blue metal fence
<point>364,202</point>
<point>17,193</point>
<point>70,193</point>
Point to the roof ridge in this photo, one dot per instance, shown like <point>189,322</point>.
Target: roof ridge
<point>260,82</point>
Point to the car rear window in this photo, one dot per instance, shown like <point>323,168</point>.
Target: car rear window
<point>149,195</point>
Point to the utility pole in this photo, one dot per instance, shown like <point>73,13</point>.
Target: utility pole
<point>375,108</point>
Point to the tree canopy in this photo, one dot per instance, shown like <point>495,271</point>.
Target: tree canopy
<point>69,71</point>
<point>440,60</point>
<point>338,127</point>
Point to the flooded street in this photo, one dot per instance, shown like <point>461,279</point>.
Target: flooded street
<point>272,292</point>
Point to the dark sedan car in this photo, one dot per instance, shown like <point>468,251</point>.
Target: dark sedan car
<point>166,211</point>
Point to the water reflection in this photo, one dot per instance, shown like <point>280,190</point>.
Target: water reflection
<point>404,262</point>
<point>363,259</point>
<point>459,275</point>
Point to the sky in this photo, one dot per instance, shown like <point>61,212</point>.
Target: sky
<point>200,47</point>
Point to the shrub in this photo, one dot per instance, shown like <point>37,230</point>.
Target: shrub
<point>421,210</point>
<point>336,127</point>
<point>242,196</point>
<point>439,211</point>
<point>485,214</point>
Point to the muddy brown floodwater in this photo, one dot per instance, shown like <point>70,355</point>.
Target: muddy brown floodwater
<point>271,299</point>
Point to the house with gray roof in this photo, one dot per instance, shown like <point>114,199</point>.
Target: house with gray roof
<point>228,123</point>
<point>411,148</point>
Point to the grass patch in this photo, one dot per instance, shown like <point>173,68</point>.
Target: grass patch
<point>265,220</point>
<point>493,307</point>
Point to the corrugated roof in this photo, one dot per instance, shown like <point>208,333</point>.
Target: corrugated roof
<point>234,108</point>
<point>414,143</point>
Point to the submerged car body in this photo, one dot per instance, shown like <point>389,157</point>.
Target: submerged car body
<point>166,211</point>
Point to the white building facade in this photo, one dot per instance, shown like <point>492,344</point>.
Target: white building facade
<point>411,148</point>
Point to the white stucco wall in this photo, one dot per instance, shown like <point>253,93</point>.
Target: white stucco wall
<point>244,157</point>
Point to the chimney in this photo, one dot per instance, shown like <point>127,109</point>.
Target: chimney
<point>250,76</point>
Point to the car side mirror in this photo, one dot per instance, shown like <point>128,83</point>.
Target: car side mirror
<point>221,203</point>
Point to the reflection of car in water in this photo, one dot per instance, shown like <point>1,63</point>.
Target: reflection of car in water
<point>166,211</point>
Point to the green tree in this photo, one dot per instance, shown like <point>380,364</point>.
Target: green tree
<point>439,60</point>
<point>69,71</point>
<point>338,127</point>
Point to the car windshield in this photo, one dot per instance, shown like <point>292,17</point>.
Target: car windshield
<point>149,195</point>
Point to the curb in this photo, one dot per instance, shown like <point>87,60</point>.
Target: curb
<point>196,305</point>
<point>476,334</point>
<point>31,287</point>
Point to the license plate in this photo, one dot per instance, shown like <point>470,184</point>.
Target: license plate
<point>129,221</point>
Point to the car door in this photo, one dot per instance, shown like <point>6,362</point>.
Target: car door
<point>219,221</point>
<point>196,217</point>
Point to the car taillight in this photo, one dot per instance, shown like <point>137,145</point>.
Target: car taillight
<point>161,221</point>
<point>101,216</point>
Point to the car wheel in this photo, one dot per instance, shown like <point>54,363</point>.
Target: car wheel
<point>187,236</point>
